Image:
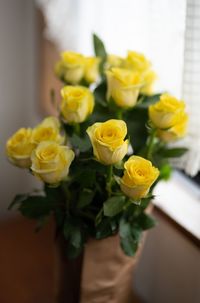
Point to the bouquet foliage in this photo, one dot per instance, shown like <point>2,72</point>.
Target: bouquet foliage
<point>101,158</point>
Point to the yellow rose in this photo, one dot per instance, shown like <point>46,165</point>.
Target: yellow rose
<point>77,104</point>
<point>137,61</point>
<point>123,86</point>
<point>108,142</point>
<point>149,78</point>
<point>175,132</point>
<point>47,130</point>
<point>114,61</point>
<point>169,116</point>
<point>51,161</point>
<point>91,73</point>
<point>19,148</point>
<point>71,67</point>
<point>138,177</point>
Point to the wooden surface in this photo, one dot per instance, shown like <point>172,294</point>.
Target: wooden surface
<point>26,263</point>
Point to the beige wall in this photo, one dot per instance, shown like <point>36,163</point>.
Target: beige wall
<point>18,94</point>
<point>169,268</point>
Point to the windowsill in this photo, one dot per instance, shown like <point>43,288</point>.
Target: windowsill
<point>179,198</point>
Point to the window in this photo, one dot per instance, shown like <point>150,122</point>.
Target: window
<point>168,32</point>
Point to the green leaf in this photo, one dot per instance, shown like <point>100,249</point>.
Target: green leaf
<point>113,225</point>
<point>100,51</point>
<point>136,202</point>
<point>145,201</point>
<point>17,200</point>
<point>104,229</point>
<point>130,210</point>
<point>128,242</point>
<point>83,144</point>
<point>136,232</point>
<point>99,217</point>
<point>41,222</point>
<point>73,252</point>
<point>117,179</point>
<point>165,172</point>
<point>124,228</point>
<point>36,206</point>
<point>172,152</point>
<point>136,119</point>
<point>72,232</point>
<point>99,47</point>
<point>100,94</point>
<point>145,101</point>
<point>129,246</point>
<point>76,237</point>
<point>114,205</point>
<point>85,197</point>
<point>146,221</point>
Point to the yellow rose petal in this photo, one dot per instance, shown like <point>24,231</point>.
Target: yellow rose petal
<point>108,142</point>
<point>169,117</point>
<point>51,161</point>
<point>139,175</point>
<point>77,104</point>
<point>19,147</point>
<point>123,86</point>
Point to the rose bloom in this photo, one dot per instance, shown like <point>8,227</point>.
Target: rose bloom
<point>123,86</point>
<point>175,132</point>
<point>51,162</point>
<point>169,117</point>
<point>114,61</point>
<point>71,67</point>
<point>91,71</point>
<point>138,62</point>
<point>149,78</point>
<point>77,104</point>
<point>47,130</point>
<point>108,141</point>
<point>19,148</point>
<point>138,177</point>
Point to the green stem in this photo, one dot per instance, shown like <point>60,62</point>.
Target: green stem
<point>109,180</point>
<point>52,97</point>
<point>67,195</point>
<point>77,129</point>
<point>119,114</point>
<point>99,217</point>
<point>150,144</point>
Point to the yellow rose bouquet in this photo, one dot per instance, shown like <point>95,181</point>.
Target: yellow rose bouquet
<point>101,159</point>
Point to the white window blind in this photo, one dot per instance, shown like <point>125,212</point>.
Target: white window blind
<point>166,31</point>
<point>191,86</point>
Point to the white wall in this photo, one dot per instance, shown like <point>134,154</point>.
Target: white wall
<point>169,267</point>
<point>18,96</point>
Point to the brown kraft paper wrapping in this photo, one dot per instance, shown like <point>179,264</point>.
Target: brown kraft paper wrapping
<point>107,273</point>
